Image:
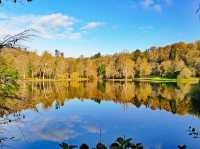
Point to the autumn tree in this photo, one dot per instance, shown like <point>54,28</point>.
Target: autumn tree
<point>143,67</point>
<point>166,69</point>
<point>46,66</point>
<point>169,61</point>
<point>185,73</point>
<point>110,69</point>
<point>125,66</point>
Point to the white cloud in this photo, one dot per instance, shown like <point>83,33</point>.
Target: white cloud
<point>147,3</point>
<point>51,26</point>
<point>152,4</point>
<point>155,5</point>
<point>92,25</point>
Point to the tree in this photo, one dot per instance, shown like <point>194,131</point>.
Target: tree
<point>97,55</point>
<point>136,54</point>
<point>57,53</point>
<point>33,64</point>
<point>155,61</point>
<point>125,66</point>
<point>46,66</point>
<point>166,69</point>
<point>178,66</point>
<point>90,69</point>
<point>185,73</point>
<point>110,69</point>
<point>21,64</point>
<point>101,71</point>
<point>8,81</point>
<point>60,69</point>
<point>143,67</point>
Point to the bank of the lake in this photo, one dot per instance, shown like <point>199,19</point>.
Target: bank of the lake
<point>147,79</point>
<point>167,80</point>
<point>55,80</point>
<point>157,80</point>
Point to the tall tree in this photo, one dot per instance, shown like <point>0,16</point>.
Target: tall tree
<point>143,67</point>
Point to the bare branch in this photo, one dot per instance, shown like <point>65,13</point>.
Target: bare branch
<point>197,12</point>
<point>12,41</point>
<point>15,1</point>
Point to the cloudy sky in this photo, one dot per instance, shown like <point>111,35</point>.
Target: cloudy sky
<point>85,27</point>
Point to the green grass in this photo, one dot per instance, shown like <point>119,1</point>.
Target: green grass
<point>160,79</point>
<point>154,79</point>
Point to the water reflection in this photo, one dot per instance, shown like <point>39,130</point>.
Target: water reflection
<point>182,99</point>
<point>49,113</point>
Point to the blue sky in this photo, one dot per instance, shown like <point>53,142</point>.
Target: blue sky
<point>85,27</point>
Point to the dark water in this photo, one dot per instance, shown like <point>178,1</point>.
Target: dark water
<point>46,114</point>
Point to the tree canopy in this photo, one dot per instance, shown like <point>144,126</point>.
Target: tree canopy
<point>179,60</point>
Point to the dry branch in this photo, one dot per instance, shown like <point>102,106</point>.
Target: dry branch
<point>12,41</point>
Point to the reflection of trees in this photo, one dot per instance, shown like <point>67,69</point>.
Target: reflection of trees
<point>5,121</point>
<point>155,96</point>
<point>101,86</point>
<point>195,100</point>
<point>5,140</point>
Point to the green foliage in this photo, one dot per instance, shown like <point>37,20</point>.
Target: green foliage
<point>98,55</point>
<point>8,81</point>
<point>101,86</point>
<point>101,71</point>
<point>173,105</point>
<point>195,100</point>
<point>173,54</point>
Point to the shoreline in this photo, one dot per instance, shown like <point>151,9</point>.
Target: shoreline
<point>150,80</point>
<point>167,80</point>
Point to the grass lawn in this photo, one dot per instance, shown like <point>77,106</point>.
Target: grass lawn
<point>159,79</point>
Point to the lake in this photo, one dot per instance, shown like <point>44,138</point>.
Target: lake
<point>48,113</point>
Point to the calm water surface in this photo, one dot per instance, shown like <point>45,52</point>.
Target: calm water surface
<point>157,115</point>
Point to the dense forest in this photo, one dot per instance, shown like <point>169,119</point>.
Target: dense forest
<point>179,60</point>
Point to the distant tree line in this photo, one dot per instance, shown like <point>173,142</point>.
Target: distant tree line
<point>179,60</point>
